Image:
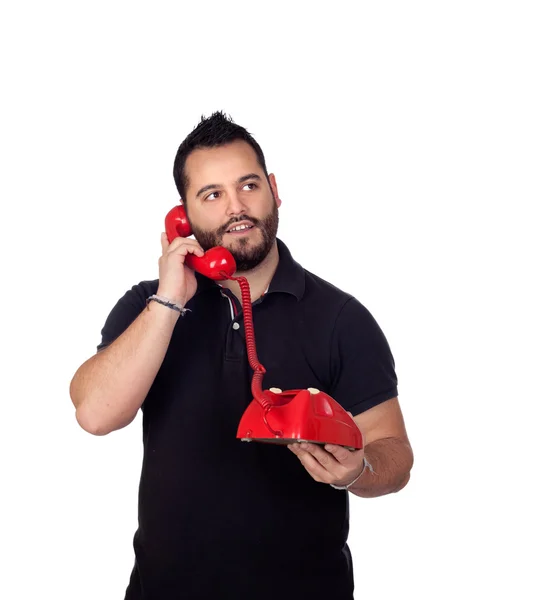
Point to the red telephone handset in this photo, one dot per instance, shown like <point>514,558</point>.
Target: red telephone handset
<point>214,262</point>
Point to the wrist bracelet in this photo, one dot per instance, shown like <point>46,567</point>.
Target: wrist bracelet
<point>166,302</point>
<point>366,465</point>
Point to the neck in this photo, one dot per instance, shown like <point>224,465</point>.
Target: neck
<point>258,278</point>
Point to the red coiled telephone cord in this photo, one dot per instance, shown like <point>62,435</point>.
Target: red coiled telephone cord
<point>257,367</point>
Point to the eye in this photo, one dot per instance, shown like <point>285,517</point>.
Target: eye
<point>252,186</point>
<point>212,196</point>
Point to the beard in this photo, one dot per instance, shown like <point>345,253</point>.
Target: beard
<point>246,255</point>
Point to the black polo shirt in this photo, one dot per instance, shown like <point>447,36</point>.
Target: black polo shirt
<point>222,518</point>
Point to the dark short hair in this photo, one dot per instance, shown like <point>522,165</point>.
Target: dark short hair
<point>216,130</point>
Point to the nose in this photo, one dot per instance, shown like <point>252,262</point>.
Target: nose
<point>235,205</point>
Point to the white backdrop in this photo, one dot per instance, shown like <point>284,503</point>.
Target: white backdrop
<point>403,136</point>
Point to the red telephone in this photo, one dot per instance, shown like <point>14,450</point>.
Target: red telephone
<point>295,415</point>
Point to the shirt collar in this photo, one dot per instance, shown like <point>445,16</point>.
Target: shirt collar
<point>289,277</point>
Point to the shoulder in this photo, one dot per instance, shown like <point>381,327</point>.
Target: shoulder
<point>125,311</point>
<point>322,292</point>
<point>140,292</point>
<point>345,313</point>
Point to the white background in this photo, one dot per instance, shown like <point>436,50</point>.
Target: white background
<point>403,136</point>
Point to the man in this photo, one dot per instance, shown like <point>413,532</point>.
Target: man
<point>218,517</point>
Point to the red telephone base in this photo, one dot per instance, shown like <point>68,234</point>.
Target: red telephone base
<point>299,416</point>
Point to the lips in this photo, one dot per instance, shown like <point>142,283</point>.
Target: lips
<point>248,226</point>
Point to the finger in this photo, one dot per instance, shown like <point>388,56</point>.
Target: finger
<point>305,453</point>
<point>315,470</point>
<point>164,241</point>
<point>185,246</point>
<point>324,458</point>
<point>296,448</point>
<point>344,456</point>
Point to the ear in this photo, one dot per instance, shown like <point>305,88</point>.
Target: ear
<point>183,205</point>
<point>272,183</point>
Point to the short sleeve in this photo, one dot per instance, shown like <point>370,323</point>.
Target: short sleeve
<point>126,310</point>
<point>362,365</point>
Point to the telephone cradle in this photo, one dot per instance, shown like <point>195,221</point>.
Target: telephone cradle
<point>274,416</point>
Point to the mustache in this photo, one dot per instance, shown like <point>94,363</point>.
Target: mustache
<point>225,228</point>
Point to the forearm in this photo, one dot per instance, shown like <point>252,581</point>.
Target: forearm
<point>109,388</point>
<point>391,460</point>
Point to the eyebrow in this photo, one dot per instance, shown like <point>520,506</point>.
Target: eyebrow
<point>213,186</point>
